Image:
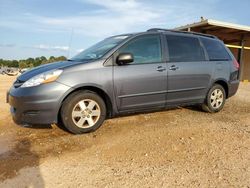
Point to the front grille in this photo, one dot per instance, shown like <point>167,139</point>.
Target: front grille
<point>18,83</point>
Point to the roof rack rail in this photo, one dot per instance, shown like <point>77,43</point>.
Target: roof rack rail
<point>178,31</point>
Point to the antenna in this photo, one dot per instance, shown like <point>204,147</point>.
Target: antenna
<point>70,41</point>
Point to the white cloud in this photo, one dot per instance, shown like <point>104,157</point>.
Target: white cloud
<point>117,16</point>
<point>114,16</point>
<point>53,48</point>
<point>7,45</point>
<point>102,18</point>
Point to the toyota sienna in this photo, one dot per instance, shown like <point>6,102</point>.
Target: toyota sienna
<point>123,74</point>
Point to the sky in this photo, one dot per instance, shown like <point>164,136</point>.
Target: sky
<point>33,28</point>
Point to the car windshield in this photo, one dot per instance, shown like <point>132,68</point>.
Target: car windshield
<point>98,50</point>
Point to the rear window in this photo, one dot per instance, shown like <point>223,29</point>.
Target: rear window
<point>215,49</point>
<point>184,49</point>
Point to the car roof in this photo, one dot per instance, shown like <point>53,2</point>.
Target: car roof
<point>169,31</point>
<point>180,32</point>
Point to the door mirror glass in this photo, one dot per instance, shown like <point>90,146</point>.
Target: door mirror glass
<point>125,58</point>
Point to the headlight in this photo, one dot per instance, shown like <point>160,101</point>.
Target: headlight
<point>43,78</point>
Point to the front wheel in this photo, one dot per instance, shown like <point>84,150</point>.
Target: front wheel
<point>215,99</point>
<point>83,112</point>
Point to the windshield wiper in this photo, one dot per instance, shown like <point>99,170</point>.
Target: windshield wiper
<point>82,59</point>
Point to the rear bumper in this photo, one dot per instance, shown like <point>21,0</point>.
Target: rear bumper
<point>36,105</point>
<point>233,87</point>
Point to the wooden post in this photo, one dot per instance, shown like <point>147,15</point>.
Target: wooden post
<point>240,57</point>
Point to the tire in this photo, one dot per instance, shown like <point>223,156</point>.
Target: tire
<point>83,112</point>
<point>215,99</point>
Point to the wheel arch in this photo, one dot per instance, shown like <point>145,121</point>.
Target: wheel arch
<point>95,89</point>
<point>224,84</point>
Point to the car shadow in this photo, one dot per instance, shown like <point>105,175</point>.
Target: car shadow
<point>19,157</point>
<point>60,125</point>
<point>196,108</point>
<point>37,126</point>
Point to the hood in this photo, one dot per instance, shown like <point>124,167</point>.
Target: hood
<point>47,67</point>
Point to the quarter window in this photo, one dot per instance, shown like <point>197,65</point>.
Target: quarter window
<point>215,49</point>
<point>184,49</point>
<point>146,49</point>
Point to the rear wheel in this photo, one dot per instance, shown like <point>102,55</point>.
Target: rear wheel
<point>215,99</point>
<point>83,112</point>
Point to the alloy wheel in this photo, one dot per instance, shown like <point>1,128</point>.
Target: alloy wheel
<point>216,98</point>
<point>86,113</point>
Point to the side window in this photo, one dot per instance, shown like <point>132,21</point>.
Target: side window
<point>145,49</point>
<point>184,49</point>
<point>216,51</point>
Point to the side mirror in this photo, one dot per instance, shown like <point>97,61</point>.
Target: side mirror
<point>125,58</point>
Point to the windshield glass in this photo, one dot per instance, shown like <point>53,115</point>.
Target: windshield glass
<point>100,49</point>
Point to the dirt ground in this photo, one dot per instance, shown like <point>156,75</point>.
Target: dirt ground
<point>182,147</point>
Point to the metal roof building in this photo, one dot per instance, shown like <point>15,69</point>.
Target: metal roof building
<point>236,37</point>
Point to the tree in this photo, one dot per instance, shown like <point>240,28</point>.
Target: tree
<point>37,62</point>
<point>30,62</point>
<point>61,58</point>
<point>22,64</point>
<point>51,59</point>
<point>43,60</point>
<point>1,62</point>
<point>13,63</point>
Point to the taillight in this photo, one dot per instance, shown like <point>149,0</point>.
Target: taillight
<point>236,64</point>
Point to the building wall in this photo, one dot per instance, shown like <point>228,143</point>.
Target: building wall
<point>246,61</point>
<point>246,66</point>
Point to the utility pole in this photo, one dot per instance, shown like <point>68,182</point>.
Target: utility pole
<point>70,41</point>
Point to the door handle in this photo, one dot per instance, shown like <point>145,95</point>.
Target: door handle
<point>161,68</point>
<point>173,68</point>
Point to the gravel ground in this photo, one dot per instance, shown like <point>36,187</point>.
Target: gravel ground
<point>181,147</point>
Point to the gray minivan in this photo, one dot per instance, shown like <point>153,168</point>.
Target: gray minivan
<point>124,74</point>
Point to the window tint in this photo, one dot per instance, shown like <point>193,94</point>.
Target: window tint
<point>183,49</point>
<point>146,49</point>
<point>216,50</point>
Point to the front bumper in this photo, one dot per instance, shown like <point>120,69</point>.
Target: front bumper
<point>37,105</point>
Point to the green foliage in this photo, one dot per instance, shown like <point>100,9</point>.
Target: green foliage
<point>30,62</point>
<point>22,64</point>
